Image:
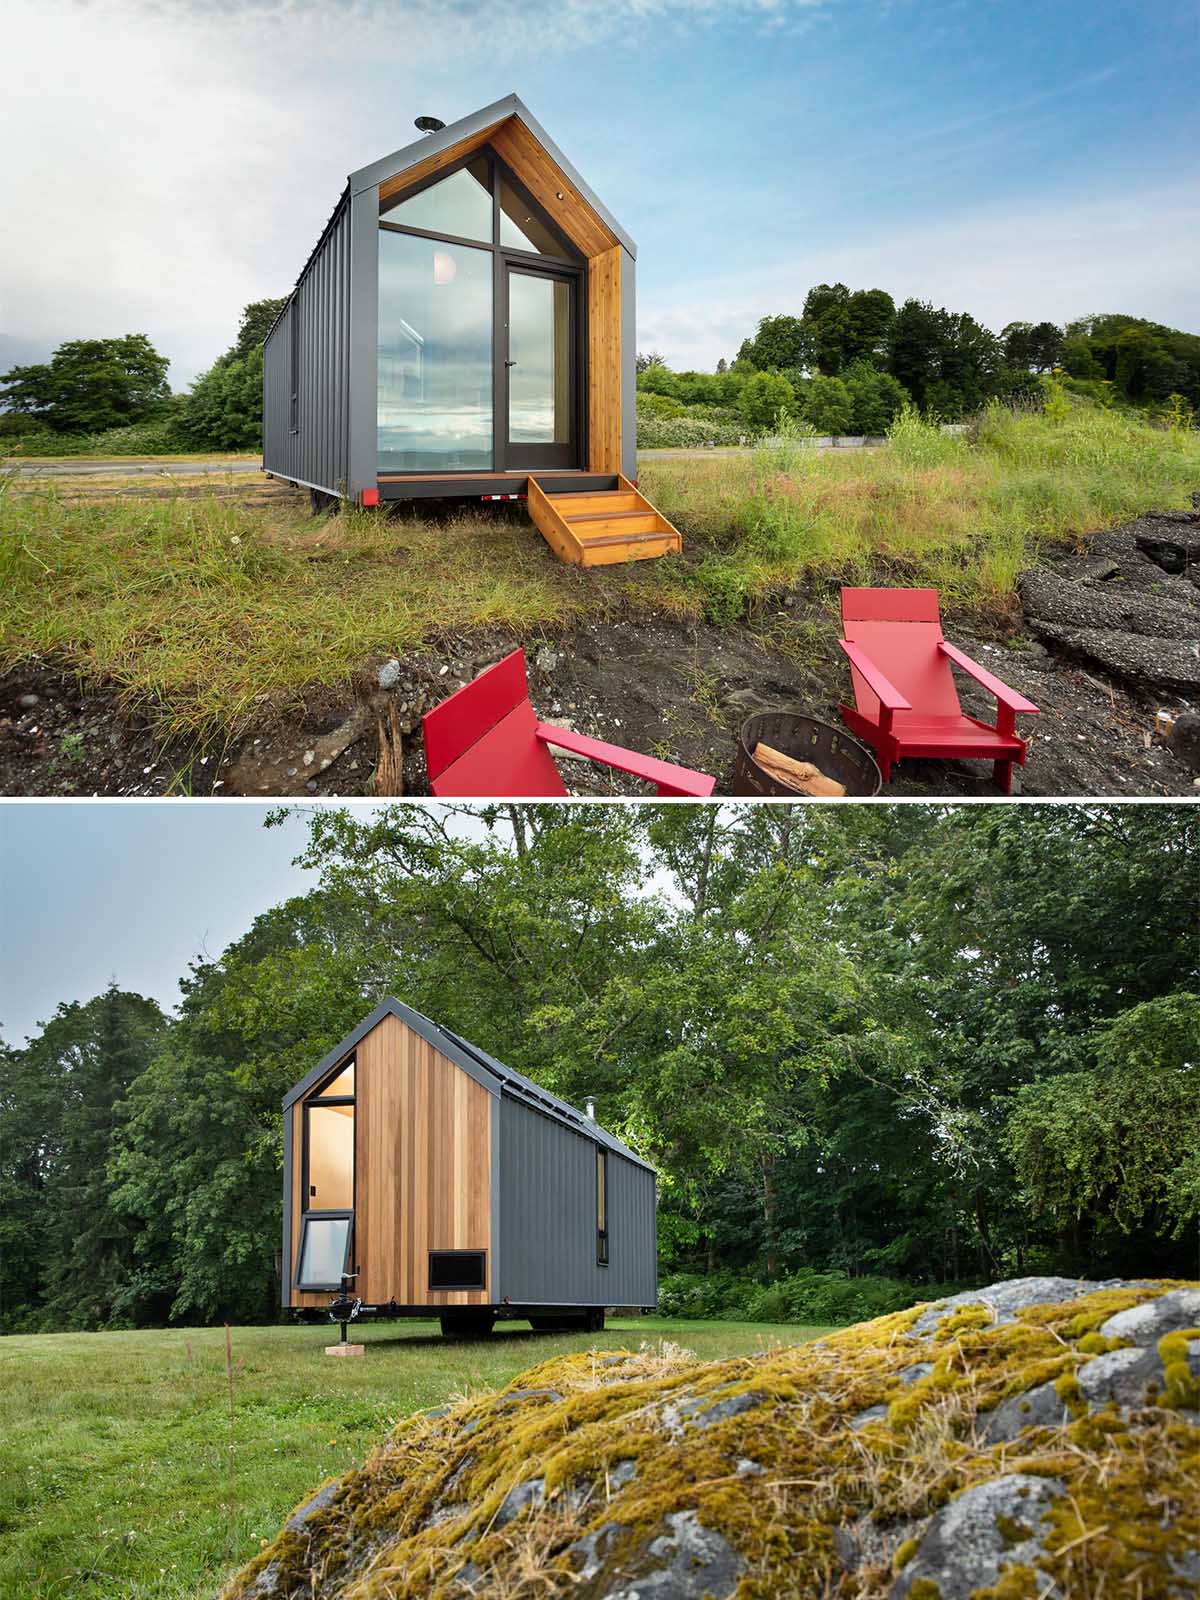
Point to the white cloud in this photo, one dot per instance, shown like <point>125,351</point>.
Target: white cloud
<point>167,162</point>
<point>1132,252</point>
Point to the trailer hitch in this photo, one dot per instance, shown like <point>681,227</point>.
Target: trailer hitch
<point>344,1310</point>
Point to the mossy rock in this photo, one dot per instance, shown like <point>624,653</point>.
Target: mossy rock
<point>868,1464</point>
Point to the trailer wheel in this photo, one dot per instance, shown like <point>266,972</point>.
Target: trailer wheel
<point>595,1320</point>
<point>470,1324</point>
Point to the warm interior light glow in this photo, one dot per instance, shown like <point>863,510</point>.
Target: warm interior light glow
<point>445,268</point>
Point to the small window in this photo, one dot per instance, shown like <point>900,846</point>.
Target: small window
<point>601,1207</point>
<point>458,1269</point>
<point>294,365</point>
<point>341,1087</point>
<point>324,1253</point>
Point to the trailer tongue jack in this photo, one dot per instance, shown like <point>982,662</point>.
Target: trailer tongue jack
<point>344,1310</point>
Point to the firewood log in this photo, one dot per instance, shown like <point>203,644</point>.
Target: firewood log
<point>799,775</point>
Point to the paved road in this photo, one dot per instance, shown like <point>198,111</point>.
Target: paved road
<point>192,469</point>
<point>172,469</point>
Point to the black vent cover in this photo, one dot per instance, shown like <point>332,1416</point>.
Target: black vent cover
<point>458,1269</point>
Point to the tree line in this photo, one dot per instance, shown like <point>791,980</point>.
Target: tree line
<point>924,1044</point>
<point>853,358</point>
<point>94,386</point>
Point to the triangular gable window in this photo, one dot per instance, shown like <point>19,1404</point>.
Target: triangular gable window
<point>459,206</point>
<point>523,228</point>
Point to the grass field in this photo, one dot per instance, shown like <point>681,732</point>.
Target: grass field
<point>198,605</point>
<point>129,1471</point>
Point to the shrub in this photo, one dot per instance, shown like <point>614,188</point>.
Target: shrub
<point>656,432</point>
<point>764,396</point>
<point>803,1296</point>
<point>651,404</point>
<point>224,409</point>
<point>826,405</point>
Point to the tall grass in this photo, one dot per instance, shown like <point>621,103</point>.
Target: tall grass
<point>199,606</point>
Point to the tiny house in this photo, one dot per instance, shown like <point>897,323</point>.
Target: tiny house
<point>438,1182</point>
<point>465,327</point>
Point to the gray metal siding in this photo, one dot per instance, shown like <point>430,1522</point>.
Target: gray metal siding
<point>285,1276</point>
<point>318,452</point>
<point>628,366</point>
<point>547,1223</point>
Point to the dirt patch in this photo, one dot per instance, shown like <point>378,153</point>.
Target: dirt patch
<point>676,689</point>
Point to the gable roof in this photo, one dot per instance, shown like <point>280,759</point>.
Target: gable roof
<point>478,129</point>
<point>491,1074</point>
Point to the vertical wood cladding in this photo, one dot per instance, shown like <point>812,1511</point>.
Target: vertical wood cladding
<point>423,1169</point>
<point>604,361</point>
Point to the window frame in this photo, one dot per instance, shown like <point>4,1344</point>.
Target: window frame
<point>602,1228</point>
<point>319,1098</point>
<point>294,365</point>
<point>323,1216</point>
<point>572,262</point>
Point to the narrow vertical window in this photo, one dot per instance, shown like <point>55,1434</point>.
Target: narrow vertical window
<point>327,1210</point>
<point>294,365</point>
<point>601,1207</point>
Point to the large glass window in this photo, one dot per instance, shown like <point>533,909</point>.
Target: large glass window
<point>460,205</point>
<point>324,1252</point>
<point>435,355</point>
<point>330,1158</point>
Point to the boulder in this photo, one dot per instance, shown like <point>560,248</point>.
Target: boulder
<point>1038,1437</point>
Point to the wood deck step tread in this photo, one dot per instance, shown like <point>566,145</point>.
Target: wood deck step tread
<point>602,527</point>
<point>603,516</point>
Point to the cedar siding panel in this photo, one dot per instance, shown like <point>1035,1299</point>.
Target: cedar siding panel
<point>604,361</point>
<point>424,1166</point>
<point>422,1170</point>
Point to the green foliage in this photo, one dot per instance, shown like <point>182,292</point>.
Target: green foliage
<point>841,327</point>
<point>827,405</point>
<point>876,398</point>
<point>1119,1140</point>
<point>90,385</point>
<point>805,1296</point>
<point>779,342</point>
<point>764,396</point>
<point>667,424</point>
<point>224,409</point>
<point>138,439</point>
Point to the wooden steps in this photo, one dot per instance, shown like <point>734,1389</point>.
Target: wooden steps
<point>599,529</point>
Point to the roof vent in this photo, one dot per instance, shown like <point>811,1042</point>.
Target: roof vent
<point>429,124</point>
<point>591,1109</point>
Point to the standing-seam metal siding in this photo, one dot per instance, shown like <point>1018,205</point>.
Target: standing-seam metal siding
<point>547,1223</point>
<point>317,453</point>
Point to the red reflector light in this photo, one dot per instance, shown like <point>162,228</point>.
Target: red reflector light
<point>370,497</point>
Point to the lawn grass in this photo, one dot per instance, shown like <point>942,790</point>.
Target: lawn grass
<point>124,1474</point>
<point>198,606</point>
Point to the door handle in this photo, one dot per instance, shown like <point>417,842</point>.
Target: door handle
<point>510,363</point>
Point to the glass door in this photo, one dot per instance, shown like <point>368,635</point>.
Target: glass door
<point>540,400</point>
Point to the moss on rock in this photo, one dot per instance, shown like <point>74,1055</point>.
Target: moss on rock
<point>602,1473</point>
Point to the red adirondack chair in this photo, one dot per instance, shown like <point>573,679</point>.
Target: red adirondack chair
<point>905,702</point>
<point>486,741</point>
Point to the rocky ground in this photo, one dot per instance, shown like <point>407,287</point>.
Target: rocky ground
<point>1035,1440</point>
<point>1108,640</point>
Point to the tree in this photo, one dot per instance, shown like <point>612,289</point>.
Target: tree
<point>763,397</point>
<point>843,326</point>
<point>722,366</point>
<point>258,318</point>
<point>87,1057</point>
<point>828,405</point>
<point>223,411</point>
<point>89,385</point>
<point>779,342</point>
<point>1116,1142</point>
<point>643,362</point>
<point>876,398</point>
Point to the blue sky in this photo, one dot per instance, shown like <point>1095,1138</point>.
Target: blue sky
<point>129,890</point>
<point>1011,159</point>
